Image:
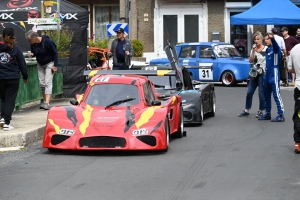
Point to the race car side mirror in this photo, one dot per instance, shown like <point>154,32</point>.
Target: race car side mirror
<point>156,103</point>
<point>74,102</point>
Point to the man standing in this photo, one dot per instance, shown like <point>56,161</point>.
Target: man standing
<point>297,36</point>
<point>122,51</point>
<point>294,67</point>
<point>290,42</point>
<point>272,80</point>
<point>282,68</point>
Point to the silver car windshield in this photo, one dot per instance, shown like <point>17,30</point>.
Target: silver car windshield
<point>105,94</point>
<point>226,51</point>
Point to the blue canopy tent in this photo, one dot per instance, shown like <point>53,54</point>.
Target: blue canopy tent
<point>269,12</point>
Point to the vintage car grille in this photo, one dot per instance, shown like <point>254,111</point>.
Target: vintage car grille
<point>102,142</point>
<point>57,139</point>
<point>148,139</point>
<point>188,115</point>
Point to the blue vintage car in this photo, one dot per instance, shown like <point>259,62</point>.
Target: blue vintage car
<point>211,62</point>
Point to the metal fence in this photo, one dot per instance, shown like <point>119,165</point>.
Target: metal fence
<point>31,92</point>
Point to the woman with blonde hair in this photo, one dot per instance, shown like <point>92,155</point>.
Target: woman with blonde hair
<point>258,58</point>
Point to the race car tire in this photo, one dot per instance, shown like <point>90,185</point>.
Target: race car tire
<point>201,111</point>
<point>180,130</point>
<point>167,132</point>
<point>228,78</point>
<point>213,104</point>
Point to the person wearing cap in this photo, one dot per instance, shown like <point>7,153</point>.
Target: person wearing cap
<point>294,67</point>
<point>121,51</point>
<point>272,80</point>
<point>44,49</point>
<point>290,42</point>
<point>12,62</point>
<point>283,69</point>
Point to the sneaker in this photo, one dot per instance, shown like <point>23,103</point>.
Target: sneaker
<point>7,127</point>
<point>285,84</point>
<point>259,114</point>
<point>279,118</point>
<point>45,106</point>
<point>244,113</point>
<point>2,122</point>
<point>266,116</point>
<point>297,148</point>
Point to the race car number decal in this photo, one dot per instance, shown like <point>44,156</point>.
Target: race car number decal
<point>142,131</point>
<point>103,79</point>
<point>66,132</point>
<point>205,74</point>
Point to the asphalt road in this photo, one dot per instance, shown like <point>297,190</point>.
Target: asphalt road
<point>228,158</point>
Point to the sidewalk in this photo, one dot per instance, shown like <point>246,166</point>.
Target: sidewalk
<point>29,124</point>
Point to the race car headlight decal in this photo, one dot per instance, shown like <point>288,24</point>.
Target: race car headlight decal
<point>142,131</point>
<point>87,113</point>
<point>145,116</point>
<point>156,127</point>
<point>56,127</point>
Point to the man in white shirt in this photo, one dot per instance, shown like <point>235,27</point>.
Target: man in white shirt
<point>294,67</point>
<point>283,69</point>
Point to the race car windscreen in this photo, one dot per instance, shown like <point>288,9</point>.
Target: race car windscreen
<point>105,94</point>
<point>163,82</point>
<point>226,51</point>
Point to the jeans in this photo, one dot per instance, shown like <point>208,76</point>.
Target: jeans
<point>253,84</point>
<point>120,66</point>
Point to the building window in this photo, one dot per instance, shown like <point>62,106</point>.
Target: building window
<point>191,21</point>
<point>170,29</point>
<point>105,15</point>
<point>238,36</point>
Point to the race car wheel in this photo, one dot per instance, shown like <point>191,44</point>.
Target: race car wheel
<point>53,150</point>
<point>180,131</point>
<point>201,112</point>
<point>213,104</point>
<point>228,78</point>
<point>167,132</point>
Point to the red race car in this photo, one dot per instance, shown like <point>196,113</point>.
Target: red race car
<point>117,112</point>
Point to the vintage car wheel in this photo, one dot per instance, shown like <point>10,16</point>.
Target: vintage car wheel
<point>179,132</point>
<point>213,104</point>
<point>228,78</point>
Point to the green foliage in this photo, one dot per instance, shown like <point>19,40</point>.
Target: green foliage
<point>96,42</point>
<point>138,48</point>
<point>62,39</point>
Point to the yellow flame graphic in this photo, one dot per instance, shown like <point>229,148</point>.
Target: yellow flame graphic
<point>56,127</point>
<point>145,116</point>
<point>87,113</point>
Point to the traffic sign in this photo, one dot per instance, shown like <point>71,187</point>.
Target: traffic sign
<point>41,21</point>
<point>111,28</point>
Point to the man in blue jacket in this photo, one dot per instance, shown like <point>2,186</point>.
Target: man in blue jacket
<point>12,62</point>
<point>122,51</point>
<point>272,80</point>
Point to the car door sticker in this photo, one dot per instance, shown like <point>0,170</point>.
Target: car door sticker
<point>206,71</point>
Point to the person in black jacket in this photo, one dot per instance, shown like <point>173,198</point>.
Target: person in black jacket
<point>12,62</point>
<point>44,49</point>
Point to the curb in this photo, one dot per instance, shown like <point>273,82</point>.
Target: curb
<point>8,140</point>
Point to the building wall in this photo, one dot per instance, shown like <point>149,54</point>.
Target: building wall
<point>144,29</point>
<point>216,18</point>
